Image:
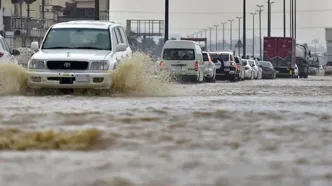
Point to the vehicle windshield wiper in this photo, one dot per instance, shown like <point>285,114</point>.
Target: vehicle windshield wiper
<point>57,47</point>
<point>95,48</point>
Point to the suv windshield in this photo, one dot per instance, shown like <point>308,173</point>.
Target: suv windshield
<point>220,57</point>
<point>78,38</point>
<point>179,54</point>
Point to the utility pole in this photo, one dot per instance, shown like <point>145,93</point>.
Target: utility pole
<point>210,28</point>
<point>295,19</point>
<point>291,18</point>
<point>166,19</point>
<point>244,27</point>
<point>43,10</point>
<point>27,24</point>
<point>96,9</point>
<point>231,30</point>
<point>284,14</point>
<point>269,3</point>
<point>260,29</point>
<point>239,48</point>
<point>216,36</point>
<point>223,35</point>
<point>268,18</point>
<point>253,33</point>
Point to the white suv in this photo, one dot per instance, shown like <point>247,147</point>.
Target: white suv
<point>78,54</point>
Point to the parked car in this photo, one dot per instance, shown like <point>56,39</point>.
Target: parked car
<point>184,59</point>
<point>239,68</point>
<point>7,54</point>
<point>268,70</point>
<point>78,54</point>
<point>248,71</point>
<point>257,70</point>
<point>228,65</point>
<point>210,68</point>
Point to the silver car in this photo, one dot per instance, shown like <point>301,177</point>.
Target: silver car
<point>210,68</point>
<point>248,71</point>
<point>257,70</point>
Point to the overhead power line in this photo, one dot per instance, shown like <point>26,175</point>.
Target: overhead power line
<point>234,29</point>
<point>215,13</point>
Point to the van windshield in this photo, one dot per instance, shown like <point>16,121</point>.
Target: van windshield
<point>179,54</point>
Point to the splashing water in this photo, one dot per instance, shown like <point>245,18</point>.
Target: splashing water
<point>135,76</point>
<point>13,79</point>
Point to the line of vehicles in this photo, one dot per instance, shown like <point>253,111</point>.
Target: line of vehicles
<point>186,59</point>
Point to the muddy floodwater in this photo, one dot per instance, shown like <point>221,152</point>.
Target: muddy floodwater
<point>250,133</point>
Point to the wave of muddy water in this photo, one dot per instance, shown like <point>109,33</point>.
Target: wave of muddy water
<point>260,132</point>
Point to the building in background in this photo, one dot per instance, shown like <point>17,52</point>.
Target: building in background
<point>24,21</point>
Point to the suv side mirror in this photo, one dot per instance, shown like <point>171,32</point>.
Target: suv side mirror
<point>15,52</point>
<point>34,45</point>
<point>121,47</point>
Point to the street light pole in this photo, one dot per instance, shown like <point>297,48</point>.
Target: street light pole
<point>239,18</point>
<point>268,18</point>
<point>253,33</point>
<point>295,19</point>
<point>96,9</point>
<point>210,28</point>
<point>291,18</point>
<point>244,27</point>
<point>166,19</point>
<point>260,30</point>
<point>284,15</point>
<point>231,30</point>
<point>216,26</point>
<point>269,3</point>
<point>223,35</point>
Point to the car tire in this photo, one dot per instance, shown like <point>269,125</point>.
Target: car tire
<point>211,79</point>
<point>232,78</point>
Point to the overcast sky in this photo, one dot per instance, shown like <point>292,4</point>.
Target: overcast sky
<point>189,16</point>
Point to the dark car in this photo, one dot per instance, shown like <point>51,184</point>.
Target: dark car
<point>268,71</point>
<point>228,67</point>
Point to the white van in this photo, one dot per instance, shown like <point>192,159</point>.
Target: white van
<point>183,59</point>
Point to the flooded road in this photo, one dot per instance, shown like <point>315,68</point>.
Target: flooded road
<point>259,132</point>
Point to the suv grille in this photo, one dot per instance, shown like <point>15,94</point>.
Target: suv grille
<point>69,65</point>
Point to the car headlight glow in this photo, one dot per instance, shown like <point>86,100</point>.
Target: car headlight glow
<point>36,64</point>
<point>99,65</point>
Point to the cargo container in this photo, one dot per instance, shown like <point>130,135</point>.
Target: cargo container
<point>280,51</point>
<point>284,53</point>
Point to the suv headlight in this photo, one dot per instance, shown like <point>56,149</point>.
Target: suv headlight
<point>99,65</point>
<point>36,64</point>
